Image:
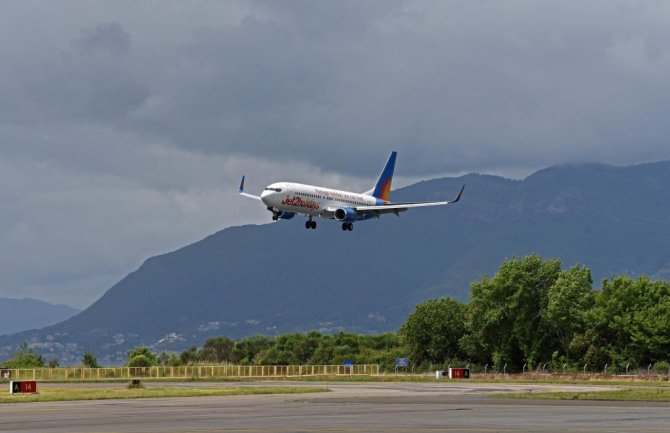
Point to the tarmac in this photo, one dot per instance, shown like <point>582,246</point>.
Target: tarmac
<point>349,407</point>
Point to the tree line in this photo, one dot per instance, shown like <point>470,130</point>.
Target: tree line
<point>530,314</point>
<point>312,348</point>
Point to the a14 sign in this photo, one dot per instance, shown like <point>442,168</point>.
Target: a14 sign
<point>23,387</point>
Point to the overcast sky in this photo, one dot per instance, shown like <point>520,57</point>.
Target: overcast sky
<point>126,125</point>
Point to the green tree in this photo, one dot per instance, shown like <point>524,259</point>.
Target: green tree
<point>164,358</point>
<point>53,363</point>
<point>89,359</point>
<point>141,356</point>
<point>174,360</point>
<point>432,331</point>
<point>630,323</point>
<point>571,298</point>
<point>189,356</point>
<point>247,349</point>
<point>386,341</point>
<point>290,349</point>
<point>506,317</point>
<point>324,354</point>
<point>382,349</point>
<point>650,333</point>
<point>217,349</point>
<point>25,357</point>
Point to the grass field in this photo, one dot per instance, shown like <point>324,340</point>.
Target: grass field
<point>122,392</point>
<point>637,394</point>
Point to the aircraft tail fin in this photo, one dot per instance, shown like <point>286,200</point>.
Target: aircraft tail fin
<point>382,189</point>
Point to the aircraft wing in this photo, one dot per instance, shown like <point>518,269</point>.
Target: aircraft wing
<point>399,207</point>
<point>255,197</point>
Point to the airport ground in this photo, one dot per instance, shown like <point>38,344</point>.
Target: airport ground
<point>349,407</point>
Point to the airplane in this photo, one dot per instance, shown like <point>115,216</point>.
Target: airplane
<point>286,199</point>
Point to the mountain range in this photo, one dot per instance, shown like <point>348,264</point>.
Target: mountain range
<point>279,277</point>
<point>26,313</point>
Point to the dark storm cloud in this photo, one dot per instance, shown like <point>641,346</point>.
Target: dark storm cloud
<point>124,126</point>
<point>92,82</point>
<point>454,85</point>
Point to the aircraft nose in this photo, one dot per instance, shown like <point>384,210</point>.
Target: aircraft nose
<point>265,195</point>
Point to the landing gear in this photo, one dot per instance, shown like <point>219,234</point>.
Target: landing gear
<point>310,224</point>
<point>275,217</point>
<point>347,226</point>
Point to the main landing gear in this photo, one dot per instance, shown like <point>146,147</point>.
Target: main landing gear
<point>310,224</point>
<point>347,226</point>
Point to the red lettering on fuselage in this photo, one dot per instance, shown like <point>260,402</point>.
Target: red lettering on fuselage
<point>299,202</point>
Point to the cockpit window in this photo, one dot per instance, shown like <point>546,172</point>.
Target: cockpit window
<point>273,189</point>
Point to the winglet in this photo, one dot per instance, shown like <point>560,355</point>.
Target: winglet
<point>255,197</point>
<point>459,195</point>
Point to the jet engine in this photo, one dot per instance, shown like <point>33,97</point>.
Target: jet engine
<point>285,215</point>
<point>346,214</point>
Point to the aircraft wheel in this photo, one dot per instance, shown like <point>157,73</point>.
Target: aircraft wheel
<point>275,217</point>
<point>344,227</point>
<point>308,225</point>
<point>350,226</point>
<point>312,224</point>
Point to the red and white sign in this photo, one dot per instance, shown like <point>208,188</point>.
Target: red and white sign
<point>23,387</point>
<point>459,373</point>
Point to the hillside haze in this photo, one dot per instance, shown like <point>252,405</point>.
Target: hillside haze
<point>26,313</point>
<point>279,278</point>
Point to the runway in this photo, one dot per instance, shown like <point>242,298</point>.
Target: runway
<point>350,407</point>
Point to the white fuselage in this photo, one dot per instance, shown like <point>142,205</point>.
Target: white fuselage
<point>312,200</point>
<point>286,199</point>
